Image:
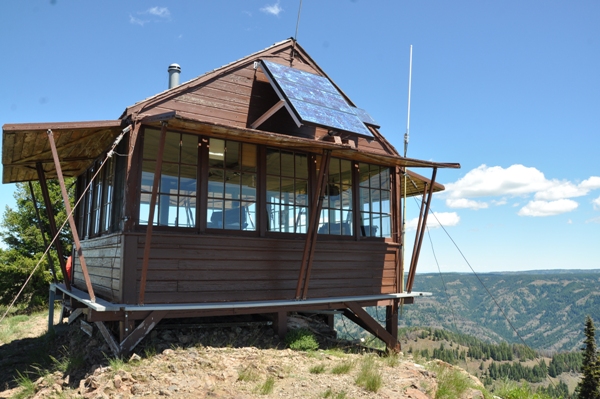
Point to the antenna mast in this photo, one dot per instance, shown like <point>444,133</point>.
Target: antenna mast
<point>408,113</point>
<point>405,174</point>
<point>296,34</point>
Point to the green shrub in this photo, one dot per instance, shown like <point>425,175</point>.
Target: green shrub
<point>369,376</point>
<point>267,387</point>
<point>301,340</point>
<point>342,368</point>
<point>318,369</point>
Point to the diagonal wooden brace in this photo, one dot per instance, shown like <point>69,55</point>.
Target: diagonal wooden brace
<point>359,316</point>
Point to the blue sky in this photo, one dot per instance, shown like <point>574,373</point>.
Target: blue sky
<point>509,89</point>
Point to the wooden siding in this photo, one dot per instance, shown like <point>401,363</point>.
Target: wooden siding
<point>203,268</point>
<point>238,97</point>
<point>103,261</point>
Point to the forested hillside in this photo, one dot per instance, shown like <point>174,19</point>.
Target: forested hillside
<point>548,308</point>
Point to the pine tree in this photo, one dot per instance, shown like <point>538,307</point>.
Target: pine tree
<point>589,386</point>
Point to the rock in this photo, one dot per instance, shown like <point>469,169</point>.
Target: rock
<point>117,381</point>
<point>135,358</point>
<point>137,389</point>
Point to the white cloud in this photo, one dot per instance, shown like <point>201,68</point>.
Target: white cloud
<point>596,203</point>
<point>447,219</point>
<point>593,183</point>
<point>566,189</point>
<point>274,9</point>
<point>594,220</point>
<point>162,12</point>
<point>159,12</point>
<point>465,203</point>
<point>548,208</point>
<point>486,181</point>
<point>137,21</point>
<point>549,195</point>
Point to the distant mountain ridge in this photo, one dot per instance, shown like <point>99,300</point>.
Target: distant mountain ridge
<point>547,307</point>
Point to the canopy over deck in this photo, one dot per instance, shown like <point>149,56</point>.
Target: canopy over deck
<point>78,143</point>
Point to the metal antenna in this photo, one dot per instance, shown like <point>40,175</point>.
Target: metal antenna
<point>408,117</point>
<point>405,171</point>
<point>296,34</point>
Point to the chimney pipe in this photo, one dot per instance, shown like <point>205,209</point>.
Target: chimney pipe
<point>174,71</point>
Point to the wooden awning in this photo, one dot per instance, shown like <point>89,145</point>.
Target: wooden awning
<point>78,144</point>
<point>415,184</point>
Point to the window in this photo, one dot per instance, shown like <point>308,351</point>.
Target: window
<point>101,208</point>
<point>287,191</point>
<point>107,194</point>
<point>231,185</point>
<point>176,202</point>
<point>336,213</point>
<point>375,197</point>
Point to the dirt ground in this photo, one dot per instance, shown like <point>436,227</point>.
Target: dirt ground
<point>242,360</point>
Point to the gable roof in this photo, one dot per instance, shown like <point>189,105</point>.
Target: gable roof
<point>25,145</point>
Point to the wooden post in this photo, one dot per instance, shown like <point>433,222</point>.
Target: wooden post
<point>157,170</point>
<point>391,318</point>
<point>52,223</point>
<point>313,224</point>
<point>415,260</point>
<point>63,190</point>
<point>42,231</point>
<point>280,323</point>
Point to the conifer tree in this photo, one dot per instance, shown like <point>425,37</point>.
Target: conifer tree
<point>589,386</point>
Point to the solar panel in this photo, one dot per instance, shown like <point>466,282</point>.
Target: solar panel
<point>314,99</point>
<point>365,117</point>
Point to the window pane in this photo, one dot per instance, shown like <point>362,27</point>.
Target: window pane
<point>386,228</point>
<point>249,157</point>
<point>232,155</point>
<point>301,219</point>
<point>346,172</point>
<point>214,214</point>
<point>363,174</point>
<point>249,216</point>
<point>273,187</point>
<point>375,203</point>
<point>189,149</point>
<point>169,178</point>
<point>187,181</point>
<point>346,199</point>
<point>151,140</point>
<point>216,186</point>
<point>171,153</point>
<point>302,192</point>
<point>167,210</point>
<point>148,168</point>
<point>145,209</point>
<point>287,164</point>
<point>301,166</point>
<point>216,153</point>
<point>334,170</point>
<point>232,215</point>
<point>248,187</point>
<point>273,164</point>
<point>187,212</point>
<point>232,185</point>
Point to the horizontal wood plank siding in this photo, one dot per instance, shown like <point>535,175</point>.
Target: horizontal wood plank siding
<point>103,260</point>
<point>204,268</point>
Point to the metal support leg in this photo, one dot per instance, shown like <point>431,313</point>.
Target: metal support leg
<point>51,299</point>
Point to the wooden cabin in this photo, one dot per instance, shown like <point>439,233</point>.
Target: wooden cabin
<point>256,188</point>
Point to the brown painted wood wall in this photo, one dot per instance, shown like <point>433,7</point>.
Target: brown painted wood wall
<point>103,261</point>
<point>203,268</point>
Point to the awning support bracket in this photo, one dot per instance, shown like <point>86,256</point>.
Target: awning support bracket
<point>65,196</point>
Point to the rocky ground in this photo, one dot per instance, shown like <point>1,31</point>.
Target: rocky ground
<point>235,360</point>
